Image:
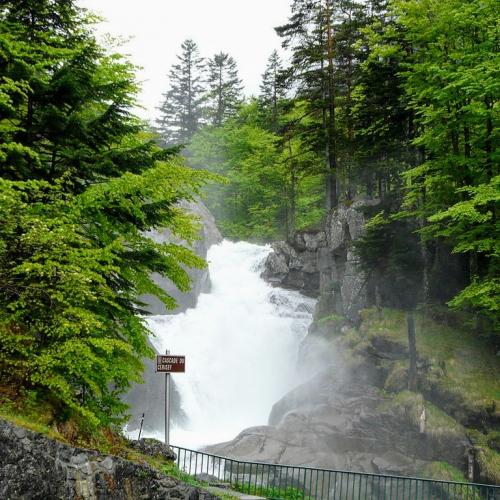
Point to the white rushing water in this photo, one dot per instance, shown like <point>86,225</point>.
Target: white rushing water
<point>241,343</point>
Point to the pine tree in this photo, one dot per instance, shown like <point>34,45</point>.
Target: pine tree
<point>273,89</point>
<point>309,34</point>
<point>182,109</point>
<point>224,88</point>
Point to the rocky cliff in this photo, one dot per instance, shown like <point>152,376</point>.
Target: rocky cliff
<point>209,235</point>
<point>33,467</point>
<point>353,411</point>
<point>322,263</point>
<point>341,418</point>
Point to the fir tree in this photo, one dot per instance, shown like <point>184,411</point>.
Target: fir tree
<point>224,88</point>
<point>182,109</point>
<point>309,35</point>
<point>273,89</point>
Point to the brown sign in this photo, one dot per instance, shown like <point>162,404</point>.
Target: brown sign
<point>170,363</point>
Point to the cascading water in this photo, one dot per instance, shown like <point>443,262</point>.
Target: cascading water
<point>241,343</point>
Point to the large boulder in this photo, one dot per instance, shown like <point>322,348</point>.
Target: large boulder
<point>341,422</point>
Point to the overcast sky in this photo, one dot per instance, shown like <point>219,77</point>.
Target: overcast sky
<point>243,28</point>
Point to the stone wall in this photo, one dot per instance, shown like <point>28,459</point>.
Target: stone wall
<point>33,466</point>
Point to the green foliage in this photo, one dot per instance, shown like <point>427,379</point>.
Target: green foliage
<point>443,471</point>
<point>248,205</point>
<point>82,182</point>
<point>425,117</point>
<point>452,86</point>
<point>171,469</point>
<point>390,257</point>
<point>267,178</point>
<point>183,105</point>
<point>464,363</point>
<point>224,88</point>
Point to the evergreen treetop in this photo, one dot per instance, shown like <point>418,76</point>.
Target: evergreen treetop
<point>181,113</point>
<point>223,88</point>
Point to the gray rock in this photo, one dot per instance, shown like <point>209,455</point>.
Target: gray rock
<point>208,235</point>
<point>323,263</point>
<point>49,472</point>
<point>334,421</point>
<point>208,478</point>
<point>107,463</point>
<point>79,459</point>
<point>153,448</point>
<point>279,265</point>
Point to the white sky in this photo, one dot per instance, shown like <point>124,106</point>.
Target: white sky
<point>243,28</point>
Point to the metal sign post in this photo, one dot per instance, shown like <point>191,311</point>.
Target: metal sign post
<point>167,406</point>
<point>168,364</point>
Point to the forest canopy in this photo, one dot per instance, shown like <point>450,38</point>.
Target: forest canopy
<point>390,100</point>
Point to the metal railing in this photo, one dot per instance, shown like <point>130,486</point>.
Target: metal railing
<point>288,482</point>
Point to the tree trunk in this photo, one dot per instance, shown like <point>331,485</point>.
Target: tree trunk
<point>412,353</point>
<point>291,202</point>
<point>332,177</point>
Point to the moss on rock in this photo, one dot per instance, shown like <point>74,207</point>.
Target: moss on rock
<point>443,471</point>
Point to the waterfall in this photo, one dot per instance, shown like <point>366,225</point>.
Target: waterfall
<point>241,343</point>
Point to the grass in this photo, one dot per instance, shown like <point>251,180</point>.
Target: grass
<point>467,360</point>
<point>487,457</point>
<point>331,319</point>
<point>489,461</point>
<point>411,404</point>
<point>443,471</point>
<point>171,469</point>
<point>26,411</point>
<point>271,492</point>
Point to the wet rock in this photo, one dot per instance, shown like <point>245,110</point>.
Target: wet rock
<point>292,268</point>
<point>153,448</point>
<point>322,262</point>
<point>388,349</point>
<point>332,424</point>
<point>208,235</point>
<point>309,240</point>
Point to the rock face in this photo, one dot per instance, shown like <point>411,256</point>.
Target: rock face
<point>35,467</point>
<point>322,263</point>
<point>209,235</point>
<point>153,448</point>
<point>353,411</point>
<point>340,419</point>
